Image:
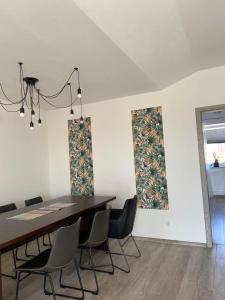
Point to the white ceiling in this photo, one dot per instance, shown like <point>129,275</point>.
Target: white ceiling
<point>122,47</point>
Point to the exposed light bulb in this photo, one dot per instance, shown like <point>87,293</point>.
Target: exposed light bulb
<point>32,113</point>
<point>71,112</point>
<point>31,125</point>
<point>79,93</point>
<point>22,112</point>
<point>39,122</point>
<point>81,120</point>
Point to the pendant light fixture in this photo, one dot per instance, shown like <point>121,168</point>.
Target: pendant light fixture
<point>31,97</point>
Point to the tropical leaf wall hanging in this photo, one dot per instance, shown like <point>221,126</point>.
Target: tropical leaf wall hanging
<point>81,161</point>
<point>149,158</point>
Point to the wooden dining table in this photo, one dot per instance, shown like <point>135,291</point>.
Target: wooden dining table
<point>14,233</point>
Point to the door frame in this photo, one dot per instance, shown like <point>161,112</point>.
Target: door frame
<point>202,160</point>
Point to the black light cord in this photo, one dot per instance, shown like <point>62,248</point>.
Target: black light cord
<point>22,77</point>
<point>81,108</point>
<point>13,103</point>
<point>39,109</point>
<point>78,78</point>
<point>6,109</point>
<point>7,98</point>
<point>71,96</point>
<point>28,98</point>
<point>55,106</point>
<point>21,80</point>
<point>61,90</point>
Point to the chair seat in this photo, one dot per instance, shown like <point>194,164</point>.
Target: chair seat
<point>37,262</point>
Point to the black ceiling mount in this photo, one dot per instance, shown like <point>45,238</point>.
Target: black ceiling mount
<point>30,80</point>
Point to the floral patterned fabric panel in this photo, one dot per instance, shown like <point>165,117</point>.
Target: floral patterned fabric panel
<point>149,157</point>
<point>81,161</point>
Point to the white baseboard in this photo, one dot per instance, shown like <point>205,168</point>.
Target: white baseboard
<point>171,242</point>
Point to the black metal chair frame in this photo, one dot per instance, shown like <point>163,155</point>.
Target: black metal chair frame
<point>96,267</point>
<point>52,292</point>
<point>125,255</point>
<point>92,267</point>
<point>54,261</point>
<point>14,276</point>
<point>122,217</point>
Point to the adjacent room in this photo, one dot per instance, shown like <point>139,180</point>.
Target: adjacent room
<point>112,156</point>
<point>214,137</point>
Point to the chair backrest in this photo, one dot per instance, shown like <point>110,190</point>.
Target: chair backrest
<point>100,228</point>
<point>33,201</point>
<point>64,247</point>
<point>7,207</point>
<point>128,215</point>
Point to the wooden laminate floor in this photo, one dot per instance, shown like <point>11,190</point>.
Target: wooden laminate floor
<point>164,272</point>
<point>217,210</point>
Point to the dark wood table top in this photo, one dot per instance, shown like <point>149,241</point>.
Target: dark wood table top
<point>15,232</point>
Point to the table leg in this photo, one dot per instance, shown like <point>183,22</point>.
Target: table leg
<point>1,297</point>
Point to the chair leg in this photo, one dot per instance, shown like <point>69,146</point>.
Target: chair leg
<point>49,243</point>
<point>125,258</point>
<point>94,272</point>
<point>81,255</point>
<point>14,264</point>
<point>49,240</point>
<point>127,270</point>
<point>52,286</point>
<point>79,279</point>
<point>44,286</point>
<point>13,276</point>
<point>62,285</point>
<point>96,267</point>
<point>26,252</point>
<point>17,256</point>
<point>31,255</point>
<point>111,260</point>
<point>135,243</point>
<point>96,291</point>
<point>43,241</point>
<point>18,285</point>
<point>38,246</point>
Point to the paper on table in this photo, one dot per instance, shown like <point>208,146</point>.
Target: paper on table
<point>57,206</point>
<point>31,215</point>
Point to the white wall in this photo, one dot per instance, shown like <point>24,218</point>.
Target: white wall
<point>113,153</point>
<point>23,159</point>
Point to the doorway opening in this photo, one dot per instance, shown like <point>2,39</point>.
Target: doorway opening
<point>211,142</point>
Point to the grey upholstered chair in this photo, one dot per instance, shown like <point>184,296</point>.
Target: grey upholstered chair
<point>60,256</point>
<point>3,209</point>
<point>98,236</point>
<point>30,202</point>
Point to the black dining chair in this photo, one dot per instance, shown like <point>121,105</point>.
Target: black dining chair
<point>98,236</point>
<point>33,201</point>
<point>30,202</point>
<point>3,209</point>
<point>121,226</point>
<point>60,256</point>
